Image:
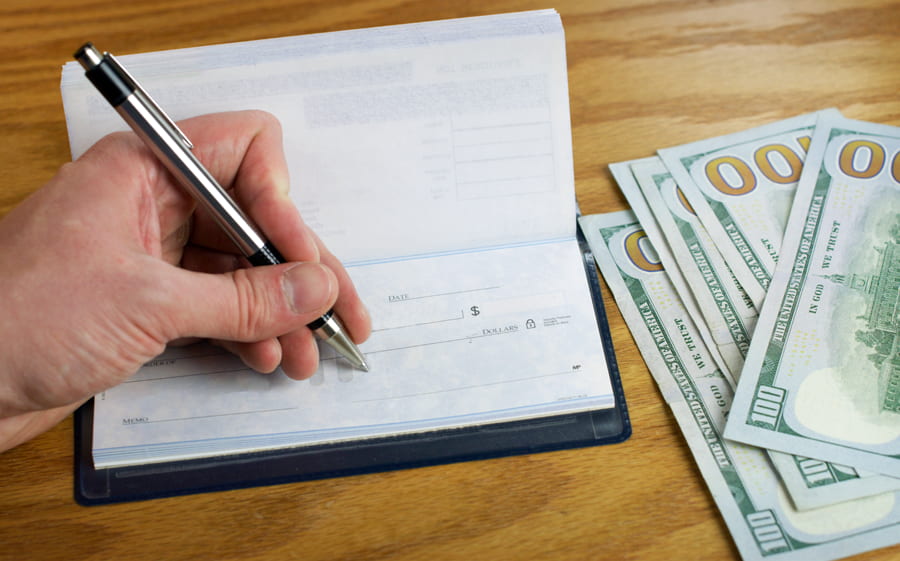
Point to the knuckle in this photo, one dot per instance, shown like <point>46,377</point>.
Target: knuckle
<point>268,119</point>
<point>253,309</point>
<point>114,142</point>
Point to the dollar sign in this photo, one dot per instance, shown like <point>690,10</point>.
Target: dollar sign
<point>475,310</point>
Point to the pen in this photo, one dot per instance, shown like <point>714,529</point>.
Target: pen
<point>173,149</point>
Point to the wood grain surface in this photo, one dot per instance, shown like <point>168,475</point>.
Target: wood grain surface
<point>642,75</point>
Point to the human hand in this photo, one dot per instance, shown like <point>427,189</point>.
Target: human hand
<point>108,262</point>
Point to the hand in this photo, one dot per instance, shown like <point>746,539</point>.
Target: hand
<point>109,262</point>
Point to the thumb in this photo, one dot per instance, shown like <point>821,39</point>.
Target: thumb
<point>252,304</point>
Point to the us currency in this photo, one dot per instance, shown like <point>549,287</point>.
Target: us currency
<point>822,377</point>
<point>810,483</point>
<point>622,172</point>
<point>813,483</point>
<point>741,480</point>
<point>724,305</point>
<point>742,186</point>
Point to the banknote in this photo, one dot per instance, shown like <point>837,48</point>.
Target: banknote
<point>814,483</point>
<point>822,377</point>
<point>743,484</point>
<point>725,307</point>
<point>742,186</point>
<point>622,172</point>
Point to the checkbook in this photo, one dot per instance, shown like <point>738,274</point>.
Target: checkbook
<point>435,160</point>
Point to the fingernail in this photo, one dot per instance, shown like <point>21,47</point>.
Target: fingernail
<point>307,287</point>
<point>366,315</point>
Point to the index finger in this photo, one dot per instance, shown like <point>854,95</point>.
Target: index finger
<point>243,150</point>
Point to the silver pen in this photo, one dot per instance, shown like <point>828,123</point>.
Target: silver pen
<point>173,149</point>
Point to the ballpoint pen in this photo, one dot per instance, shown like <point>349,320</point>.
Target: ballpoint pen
<point>173,149</point>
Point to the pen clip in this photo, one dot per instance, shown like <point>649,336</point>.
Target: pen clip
<point>151,103</point>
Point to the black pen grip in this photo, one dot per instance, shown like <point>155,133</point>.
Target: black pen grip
<point>267,255</point>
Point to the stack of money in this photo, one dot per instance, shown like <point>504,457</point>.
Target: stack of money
<point>759,274</point>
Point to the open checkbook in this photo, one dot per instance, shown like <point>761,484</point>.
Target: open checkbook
<point>435,161</point>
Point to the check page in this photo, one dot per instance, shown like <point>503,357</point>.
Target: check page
<point>503,336</point>
<point>435,161</point>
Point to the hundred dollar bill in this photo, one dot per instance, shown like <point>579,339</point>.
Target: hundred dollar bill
<point>730,317</point>
<point>813,483</point>
<point>741,186</point>
<point>725,307</point>
<point>810,482</point>
<point>822,378</point>
<point>622,172</point>
<point>741,480</point>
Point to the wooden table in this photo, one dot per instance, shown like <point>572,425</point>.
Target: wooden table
<point>643,74</point>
